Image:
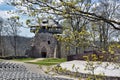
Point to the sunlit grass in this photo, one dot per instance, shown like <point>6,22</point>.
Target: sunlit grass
<point>49,61</point>
<point>1,60</point>
<point>24,59</point>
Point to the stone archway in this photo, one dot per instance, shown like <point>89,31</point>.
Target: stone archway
<point>43,52</point>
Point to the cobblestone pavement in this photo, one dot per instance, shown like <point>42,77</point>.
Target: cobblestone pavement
<point>21,71</point>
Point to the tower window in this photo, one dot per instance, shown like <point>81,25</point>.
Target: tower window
<point>45,21</point>
<point>48,42</point>
<point>43,27</point>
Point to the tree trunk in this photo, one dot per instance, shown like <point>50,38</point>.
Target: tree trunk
<point>15,45</point>
<point>1,54</point>
<point>59,49</point>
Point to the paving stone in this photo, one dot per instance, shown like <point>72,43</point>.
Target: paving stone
<point>14,71</point>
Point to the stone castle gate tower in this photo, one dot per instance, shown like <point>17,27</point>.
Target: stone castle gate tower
<point>44,43</point>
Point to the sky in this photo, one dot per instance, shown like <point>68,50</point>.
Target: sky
<point>5,8</point>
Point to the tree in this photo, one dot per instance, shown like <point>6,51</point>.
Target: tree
<point>109,11</point>
<point>13,26</point>
<point>1,30</point>
<point>75,26</point>
<point>64,8</point>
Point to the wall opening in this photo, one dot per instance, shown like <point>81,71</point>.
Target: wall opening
<point>48,42</point>
<point>43,52</point>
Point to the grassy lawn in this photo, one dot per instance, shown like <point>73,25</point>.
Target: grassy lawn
<point>23,59</point>
<point>49,61</point>
<point>1,60</point>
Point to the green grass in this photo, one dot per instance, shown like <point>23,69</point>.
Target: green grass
<point>49,61</point>
<point>1,60</point>
<point>23,59</point>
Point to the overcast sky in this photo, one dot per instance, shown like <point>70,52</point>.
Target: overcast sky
<point>5,8</point>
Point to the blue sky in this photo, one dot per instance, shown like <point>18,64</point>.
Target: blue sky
<point>5,8</point>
